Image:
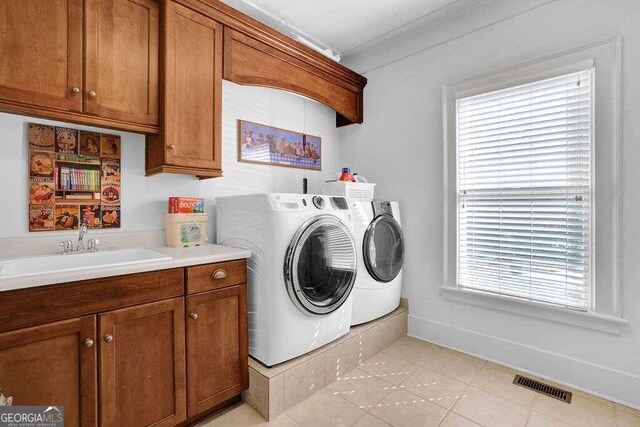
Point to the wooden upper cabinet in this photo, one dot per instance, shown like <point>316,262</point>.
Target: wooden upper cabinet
<point>194,89</point>
<point>46,44</point>
<point>217,347</point>
<point>121,59</point>
<point>52,365</point>
<point>41,53</point>
<point>192,134</point>
<point>142,365</point>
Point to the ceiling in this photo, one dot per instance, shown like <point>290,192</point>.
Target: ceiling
<point>346,26</point>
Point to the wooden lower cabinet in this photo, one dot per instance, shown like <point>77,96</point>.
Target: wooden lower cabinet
<point>52,365</point>
<point>149,364</point>
<point>217,352</point>
<point>142,365</point>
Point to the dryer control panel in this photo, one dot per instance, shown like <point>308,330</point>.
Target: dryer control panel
<point>381,207</point>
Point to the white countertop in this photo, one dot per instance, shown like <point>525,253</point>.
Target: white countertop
<point>180,257</point>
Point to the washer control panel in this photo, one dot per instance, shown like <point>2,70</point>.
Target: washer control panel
<point>308,202</point>
<point>340,203</point>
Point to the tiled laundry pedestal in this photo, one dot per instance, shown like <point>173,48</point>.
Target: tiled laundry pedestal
<point>277,389</point>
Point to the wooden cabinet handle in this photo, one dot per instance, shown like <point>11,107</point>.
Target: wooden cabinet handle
<point>75,89</point>
<point>194,316</point>
<point>171,147</point>
<point>88,343</point>
<point>108,338</point>
<point>92,93</point>
<point>219,274</point>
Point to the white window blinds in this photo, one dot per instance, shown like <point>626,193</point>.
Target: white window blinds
<point>524,191</point>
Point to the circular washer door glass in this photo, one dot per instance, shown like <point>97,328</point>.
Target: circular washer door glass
<point>383,248</point>
<point>321,265</point>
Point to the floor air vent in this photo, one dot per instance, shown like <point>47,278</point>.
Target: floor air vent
<point>542,388</point>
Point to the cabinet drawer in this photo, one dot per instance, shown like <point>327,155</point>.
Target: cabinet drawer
<point>215,276</point>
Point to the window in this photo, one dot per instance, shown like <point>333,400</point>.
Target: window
<point>533,229</point>
<point>524,191</point>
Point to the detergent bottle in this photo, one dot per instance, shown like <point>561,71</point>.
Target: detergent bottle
<point>346,175</point>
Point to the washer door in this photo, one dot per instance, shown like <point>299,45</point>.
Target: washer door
<point>320,265</point>
<point>383,248</point>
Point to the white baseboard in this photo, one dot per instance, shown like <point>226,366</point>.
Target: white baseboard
<point>620,387</point>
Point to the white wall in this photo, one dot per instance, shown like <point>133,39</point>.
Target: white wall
<point>400,147</point>
<point>144,199</point>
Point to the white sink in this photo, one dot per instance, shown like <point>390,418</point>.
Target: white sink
<point>29,266</point>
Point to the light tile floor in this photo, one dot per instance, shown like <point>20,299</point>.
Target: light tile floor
<point>414,383</point>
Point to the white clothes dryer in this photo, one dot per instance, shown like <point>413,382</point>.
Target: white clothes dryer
<point>380,244</point>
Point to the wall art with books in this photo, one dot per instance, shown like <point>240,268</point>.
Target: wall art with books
<point>74,178</point>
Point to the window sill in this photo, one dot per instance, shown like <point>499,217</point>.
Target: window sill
<point>598,322</point>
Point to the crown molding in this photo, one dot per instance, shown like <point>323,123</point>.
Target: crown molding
<point>435,29</point>
<point>444,13</point>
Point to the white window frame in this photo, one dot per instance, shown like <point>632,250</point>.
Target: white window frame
<point>605,313</point>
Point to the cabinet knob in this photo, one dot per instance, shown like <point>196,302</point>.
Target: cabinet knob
<point>88,343</point>
<point>108,338</point>
<point>75,89</point>
<point>92,93</point>
<point>219,274</point>
<point>194,316</point>
<point>171,147</point>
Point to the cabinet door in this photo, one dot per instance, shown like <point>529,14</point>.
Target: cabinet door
<point>217,347</point>
<point>193,98</point>
<point>41,53</point>
<point>52,365</point>
<point>121,59</point>
<point>142,366</point>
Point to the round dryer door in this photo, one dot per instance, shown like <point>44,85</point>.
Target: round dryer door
<point>320,265</point>
<point>383,248</point>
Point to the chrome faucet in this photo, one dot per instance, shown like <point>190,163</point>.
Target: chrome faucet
<point>67,245</point>
<point>83,230</point>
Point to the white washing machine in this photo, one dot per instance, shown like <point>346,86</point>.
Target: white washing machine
<point>380,243</point>
<point>301,271</point>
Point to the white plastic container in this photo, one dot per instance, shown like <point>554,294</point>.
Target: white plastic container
<point>356,191</point>
<point>185,230</point>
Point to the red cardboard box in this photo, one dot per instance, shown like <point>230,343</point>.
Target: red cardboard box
<point>186,205</point>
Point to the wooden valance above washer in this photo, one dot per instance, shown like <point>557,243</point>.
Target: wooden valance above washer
<point>257,55</point>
